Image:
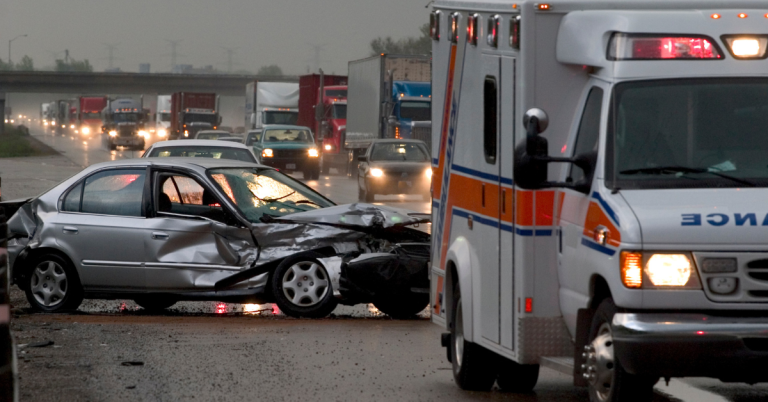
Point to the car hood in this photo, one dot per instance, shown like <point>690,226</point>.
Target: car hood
<point>730,216</point>
<point>360,215</point>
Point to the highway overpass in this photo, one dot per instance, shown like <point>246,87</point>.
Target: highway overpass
<point>128,83</point>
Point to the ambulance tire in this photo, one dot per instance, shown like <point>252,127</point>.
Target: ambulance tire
<point>474,367</point>
<point>623,386</point>
<point>516,377</point>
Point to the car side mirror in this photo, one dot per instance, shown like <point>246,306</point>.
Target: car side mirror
<point>362,158</point>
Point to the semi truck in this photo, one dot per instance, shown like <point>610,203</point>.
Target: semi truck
<point>125,124</point>
<point>271,103</point>
<point>192,112</point>
<point>65,115</point>
<point>389,97</point>
<point>323,108</point>
<point>89,117</point>
<point>163,116</point>
<point>598,177</point>
<point>47,114</point>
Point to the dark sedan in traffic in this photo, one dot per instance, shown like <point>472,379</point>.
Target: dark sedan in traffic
<point>394,166</point>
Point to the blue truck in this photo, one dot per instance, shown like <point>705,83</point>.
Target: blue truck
<point>389,96</point>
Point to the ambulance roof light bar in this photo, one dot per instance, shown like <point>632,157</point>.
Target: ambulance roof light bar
<point>626,46</point>
<point>747,47</point>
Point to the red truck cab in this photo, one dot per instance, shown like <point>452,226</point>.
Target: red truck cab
<point>89,118</point>
<point>330,122</point>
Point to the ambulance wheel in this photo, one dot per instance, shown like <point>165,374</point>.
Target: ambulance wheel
<point>302,287</point>
<point>608,382</point>
<point>474,367</point>
<point>518,378</point>
<point>402,306</point>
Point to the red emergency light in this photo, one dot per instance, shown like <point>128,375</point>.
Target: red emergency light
<point>472,29</point>
<point>662,47</point>
<point>434,25</point>
<point>494,23</point>
<point>455,27</point>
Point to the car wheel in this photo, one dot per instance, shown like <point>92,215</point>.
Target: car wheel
<point>516,377</point>
<point>302,288</point>
<point>154,303</point>
<point>474,367</point>
<point>402,306</point>
<point>52,285</point>
<point>608,382</point>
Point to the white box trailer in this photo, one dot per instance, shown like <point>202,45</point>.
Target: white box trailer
<point>639,254</point>
<point>271,103</point>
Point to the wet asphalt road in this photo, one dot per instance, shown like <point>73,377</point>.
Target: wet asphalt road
<point>217,351</point>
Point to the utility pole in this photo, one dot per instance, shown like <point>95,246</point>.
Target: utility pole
<point>174,54</point>
<point>9,46</point>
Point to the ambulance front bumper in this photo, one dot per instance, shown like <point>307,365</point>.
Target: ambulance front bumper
<point>733,349</point>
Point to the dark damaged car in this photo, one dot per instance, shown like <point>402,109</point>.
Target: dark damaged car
<point>162,231</point>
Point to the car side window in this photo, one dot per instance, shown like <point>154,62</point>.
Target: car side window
<point>589,130</point>
<point>72,200</point>
<point>114,192</point>
<point>180,194</point>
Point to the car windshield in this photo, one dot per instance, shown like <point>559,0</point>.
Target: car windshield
<point>399,151</point>
<point>164,116</point>
<point>339,111</point>
<point>416,111</point>
<point>280,117</point>
<point>200,118</point>
<point>336,93</point>
<point>126,117</point>
<point>288,136</point>
<point>694,133</point>
<point>258,192</point>
<point>202,152</point>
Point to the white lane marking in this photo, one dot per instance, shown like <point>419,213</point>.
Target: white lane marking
<point>685,392</point>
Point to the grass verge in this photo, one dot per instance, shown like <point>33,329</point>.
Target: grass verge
<point>18,143</point>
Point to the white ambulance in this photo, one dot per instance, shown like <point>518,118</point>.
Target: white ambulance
<point>600,191</point>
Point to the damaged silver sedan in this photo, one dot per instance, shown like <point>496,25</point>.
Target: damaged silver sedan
<point>163,231</point>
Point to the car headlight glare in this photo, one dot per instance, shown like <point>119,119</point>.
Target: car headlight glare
<point>328,147</point>
<point>86,130</point>
<point>376,172</point>
<point>313,153</point>
<point>143,133</point>
<point>267,153</point>
<point>162,133</point>
<point>428,173</point>
<point>71,126</point>
<point>669,269</point>
<point>113,133</point>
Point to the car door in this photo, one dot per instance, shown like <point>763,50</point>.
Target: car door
<point>192,241</point>
<point>101,227</point>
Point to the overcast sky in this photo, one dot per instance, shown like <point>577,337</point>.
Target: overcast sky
<point>263,31</point>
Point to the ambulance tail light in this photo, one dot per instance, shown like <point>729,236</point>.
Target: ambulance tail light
<point>623,46</point>
<point>514,32</point>
<point>747,46</point>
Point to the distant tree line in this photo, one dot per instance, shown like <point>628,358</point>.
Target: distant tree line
<point>27,64</point>
<point>410,45</point>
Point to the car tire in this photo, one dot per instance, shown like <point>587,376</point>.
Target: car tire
<point>402,306</point>
<point>154,303</point>
<point>474,367</point>
<point>516,377</point>
<point>52,284</point>
<point>610,382</point>
<point>294,296</point>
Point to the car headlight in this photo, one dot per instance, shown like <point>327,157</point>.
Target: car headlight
<point>162,133</point>
<point>113,133</point>
<point>658,270</point>
<point>428,173</point>
<point>143,133</point>
<point>267,153</point>
<point>376,172</point>
<point>71,126</point>
<point>186,133</point>
<point>86,130</point>
<point>313,153</point>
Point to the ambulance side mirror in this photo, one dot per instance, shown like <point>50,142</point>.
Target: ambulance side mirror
<point>531,166</point>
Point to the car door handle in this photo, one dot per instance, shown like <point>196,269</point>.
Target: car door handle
<point>69,230</point>
<point>160,236</point>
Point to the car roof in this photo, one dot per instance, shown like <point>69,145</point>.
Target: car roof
<point>391,140</point>
<point>284,127</point>
<point>198,143</point>
<point>213,132</point>
<point>198,164</point>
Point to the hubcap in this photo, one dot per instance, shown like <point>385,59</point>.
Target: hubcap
<point>458,337</point>
<point>600,363</point>
<point>305,284</point>
<point>49,283</point>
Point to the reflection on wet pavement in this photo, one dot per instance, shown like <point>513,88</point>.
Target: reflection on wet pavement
<point>231,309</point>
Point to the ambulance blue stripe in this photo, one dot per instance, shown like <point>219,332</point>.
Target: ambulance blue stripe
<point>505,227</point>
<point>481,175</point>
<point>607,207</point>
<point>597,247</point>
